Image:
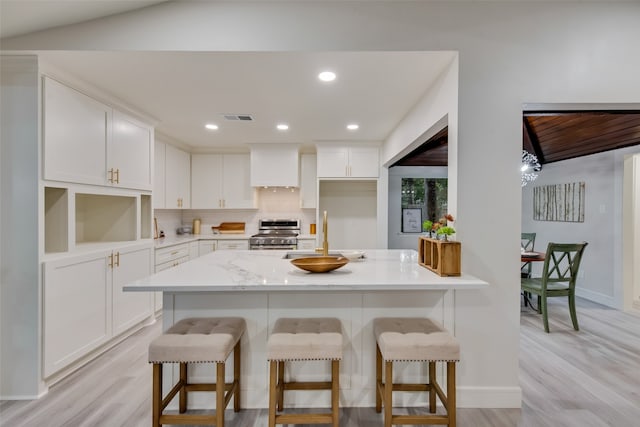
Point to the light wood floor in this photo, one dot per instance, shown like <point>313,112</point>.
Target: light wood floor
<point>582,379</point>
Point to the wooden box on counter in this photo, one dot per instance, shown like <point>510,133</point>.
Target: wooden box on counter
<point>441,257</point>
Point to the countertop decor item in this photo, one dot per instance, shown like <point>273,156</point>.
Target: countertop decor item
<point>442,227</point>
<point>229,228</point>
<point>320,264</point>
<point>441,257</point>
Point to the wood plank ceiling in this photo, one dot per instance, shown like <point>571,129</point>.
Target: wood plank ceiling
<point>553,136</point>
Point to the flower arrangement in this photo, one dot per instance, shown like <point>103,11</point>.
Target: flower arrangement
<point>442,228</point>
<point>426,225</point>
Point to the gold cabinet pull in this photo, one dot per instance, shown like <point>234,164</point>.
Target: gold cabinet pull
<point>117,176</point>
<point>111,260</point>
<point>110,179</point>
<point>117,262</point>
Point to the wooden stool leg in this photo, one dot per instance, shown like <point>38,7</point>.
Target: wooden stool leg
<point>388,389</point>
<point>273,367</point>
<point>157,395</point>
<point>236,377</point>
<point>378,379</point>
<point>335,392</point>
<point>451,393</point>
<point>280,386</point>
<point>220,394</point>
<point>183,392</point>
<point>432,389</point>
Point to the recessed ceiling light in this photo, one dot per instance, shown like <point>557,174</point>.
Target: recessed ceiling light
<point>211,126</point>
<point>282,126</point>
<point>353,126</point>
<point>327,76</point>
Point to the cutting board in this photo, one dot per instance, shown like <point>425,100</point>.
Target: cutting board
<point>229,228</point>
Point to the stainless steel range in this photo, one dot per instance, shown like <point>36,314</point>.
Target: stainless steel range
<point>276,234</point>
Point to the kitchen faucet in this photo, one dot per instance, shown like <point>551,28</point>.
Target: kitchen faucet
<point>325,242</point>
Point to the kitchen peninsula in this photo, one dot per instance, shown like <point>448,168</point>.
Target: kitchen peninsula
<point>262,286</point>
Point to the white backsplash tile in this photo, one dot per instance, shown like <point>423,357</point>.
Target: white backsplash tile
<point>282,203</point>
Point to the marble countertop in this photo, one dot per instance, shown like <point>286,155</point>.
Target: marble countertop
<point>186,238</point>
<point>265,271</point>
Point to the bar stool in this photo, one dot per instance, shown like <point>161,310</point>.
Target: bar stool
<point>197,340</point>
<point>299,339</point>
<point>415,340</point>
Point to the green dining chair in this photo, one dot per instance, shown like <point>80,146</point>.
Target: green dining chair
<point>559,274</point>
<point>527,241</point>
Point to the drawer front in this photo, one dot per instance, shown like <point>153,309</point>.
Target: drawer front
<point>233,245</point>
<point>172,253</point>
<point>172,263</point>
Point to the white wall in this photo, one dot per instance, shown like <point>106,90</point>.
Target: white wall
<point>600,278</point>
<point>509,54</point>
<point>19,272</point>
<point>352,213</point>
<point>398,239</point>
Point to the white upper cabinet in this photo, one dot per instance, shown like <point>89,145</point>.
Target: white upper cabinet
<point>88,142</point>
<point>348,162</point>
<point>221,181</point>
<point>76,131</point>
<point>236,185</point>
<point>206,177</point>
<point>130,153</point>
<point>177,178</point>
<point>274,165</point>
<point>308,181</point>
<point>159,175</point>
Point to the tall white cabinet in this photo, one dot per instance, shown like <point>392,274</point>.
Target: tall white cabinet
<point>96,210</point>
<point>308,181</point>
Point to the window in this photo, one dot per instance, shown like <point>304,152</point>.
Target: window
<point>427,194</point>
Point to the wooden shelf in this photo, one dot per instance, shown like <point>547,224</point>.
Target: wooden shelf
<point>441,257</point>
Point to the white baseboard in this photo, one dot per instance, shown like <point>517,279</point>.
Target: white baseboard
<point>25,397</point>
<point>603,299</point>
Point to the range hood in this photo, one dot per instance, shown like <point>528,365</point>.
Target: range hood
<point>275,165</point>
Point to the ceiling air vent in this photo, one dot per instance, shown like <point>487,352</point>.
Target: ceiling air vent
<point>241,117</point>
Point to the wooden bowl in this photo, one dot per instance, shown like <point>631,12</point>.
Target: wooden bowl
<point>320,264</point>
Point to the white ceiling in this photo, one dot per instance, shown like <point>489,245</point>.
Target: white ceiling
<point>183,90</point>
<point>25,16</point>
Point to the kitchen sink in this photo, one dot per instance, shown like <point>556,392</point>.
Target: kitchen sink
<point>295,255</point>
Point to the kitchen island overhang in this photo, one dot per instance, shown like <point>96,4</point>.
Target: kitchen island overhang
<point>262,286</point>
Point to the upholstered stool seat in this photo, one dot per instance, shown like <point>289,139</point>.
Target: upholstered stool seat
<point>411,339</point>
<point>303,339</point>
<point>197,340</point>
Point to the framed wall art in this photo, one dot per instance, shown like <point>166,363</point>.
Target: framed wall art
<point>560,202</point>
<point>411,220</point>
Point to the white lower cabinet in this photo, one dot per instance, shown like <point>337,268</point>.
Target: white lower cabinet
<point>170,257</point>
<point>83,303</point>
<point>130,308</point>
<point>207,246</point>
<point>240,244</point>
